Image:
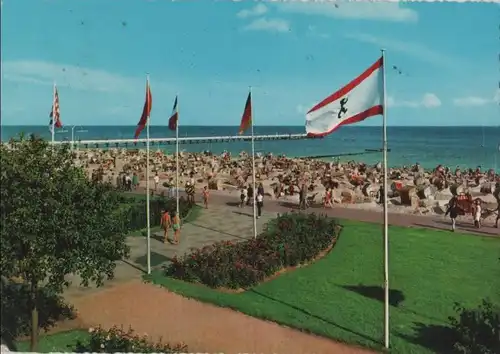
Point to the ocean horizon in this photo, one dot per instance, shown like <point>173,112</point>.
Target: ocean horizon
<point>464,146</point>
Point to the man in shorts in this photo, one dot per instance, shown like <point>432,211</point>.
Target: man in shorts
<point>165,223</point>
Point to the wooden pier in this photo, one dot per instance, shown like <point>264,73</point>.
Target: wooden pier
<point>115,143</point>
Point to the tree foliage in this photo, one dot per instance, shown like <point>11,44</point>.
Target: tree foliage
<point>55,222</point>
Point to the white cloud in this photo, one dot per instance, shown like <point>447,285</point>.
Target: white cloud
<point>303,109</point>
<point>428,100</point>
<point>46,73</point>
<point>271,25</point>
<point>313,31</point>
<point>415,50</point>
<point>353,10</point>
<point>476,100</point>
<point>257,10</point>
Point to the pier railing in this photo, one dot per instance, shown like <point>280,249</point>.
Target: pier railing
<point>184,140</point>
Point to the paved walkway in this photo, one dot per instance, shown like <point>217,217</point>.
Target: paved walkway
<point>218,223</point>
<point>464,224</point>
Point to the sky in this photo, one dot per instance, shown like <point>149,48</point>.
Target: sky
<point>293,55</point>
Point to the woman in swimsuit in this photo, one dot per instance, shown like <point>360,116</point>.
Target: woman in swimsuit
<point>176,225</point>
<point>206,194</point>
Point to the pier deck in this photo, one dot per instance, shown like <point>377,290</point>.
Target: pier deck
<point>105,143</point>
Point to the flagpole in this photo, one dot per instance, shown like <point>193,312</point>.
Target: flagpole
<point>386,216</point>
<point>177,157</point>
<point>253,174</point>
<point>148,216</point>
<point>53,132</point>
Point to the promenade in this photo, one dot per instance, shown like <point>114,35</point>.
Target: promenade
<point>128,301</point>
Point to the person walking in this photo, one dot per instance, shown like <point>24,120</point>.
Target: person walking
<point>250,194</point>
<point>328,199</point>
<point>478,210</point>
<point>260,188</point>
<point>157,181</point>
<point>453,209</point>
<point>497,197</point>
<point>165,223</point>
<point>135,180</point>
<point>176,226</point>
<point>128,181</point>
<point>302,197</point>
<point>243,197</point>
<point>205,193</point>
<point>189,188</point>
<point>260,204</point>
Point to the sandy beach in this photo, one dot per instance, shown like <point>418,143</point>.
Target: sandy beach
<point>411,189</point>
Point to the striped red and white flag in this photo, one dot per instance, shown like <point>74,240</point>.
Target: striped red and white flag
<point>146,111</point>
<point>55,113</point>
<point>363,97</point>
<point>174,118</point>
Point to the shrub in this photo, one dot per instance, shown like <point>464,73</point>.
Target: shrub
<point>288,240</point>
<point>477,330</point>
<point>133,212</point>
<point>116,340</point>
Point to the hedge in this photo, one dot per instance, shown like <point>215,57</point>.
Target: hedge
<point>287,241</point>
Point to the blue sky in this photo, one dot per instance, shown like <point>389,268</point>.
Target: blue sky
<point>292,54</point>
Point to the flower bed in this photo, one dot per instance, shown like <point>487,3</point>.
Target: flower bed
<point>116,340</point>
<point>287,241</point>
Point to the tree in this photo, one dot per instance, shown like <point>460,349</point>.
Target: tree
<point>55,222</point>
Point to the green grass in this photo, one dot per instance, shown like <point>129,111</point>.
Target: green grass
<point>57,342</point>
<point>335,296</point>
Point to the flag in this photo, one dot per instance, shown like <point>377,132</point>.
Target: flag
<point>246,119</point>
<point>148,104</point>
<point>172,122</point>
<point>55,113</point>
<point>361,98</point>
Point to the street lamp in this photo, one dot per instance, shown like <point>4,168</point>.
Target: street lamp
<point>73,133</point>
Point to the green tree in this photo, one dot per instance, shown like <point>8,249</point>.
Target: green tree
<point>55,222</point>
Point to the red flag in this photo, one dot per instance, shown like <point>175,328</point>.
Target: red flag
<point>246,119</point>
<point>146,111</point>
<point>172,122</point>
<point>360,99</point>
<point>55,112</point>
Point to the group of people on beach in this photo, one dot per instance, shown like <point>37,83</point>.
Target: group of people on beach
<point>460,205</point>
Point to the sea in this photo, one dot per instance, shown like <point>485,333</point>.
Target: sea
<point>467,147</point>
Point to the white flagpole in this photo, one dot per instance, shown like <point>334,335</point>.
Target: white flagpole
<point>148,216</point>
<point>253,172</point>
<point>177,156</point>
<point>53,130</point>
<point>386,216</point>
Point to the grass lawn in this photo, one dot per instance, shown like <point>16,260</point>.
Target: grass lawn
<point>57,342</point>
<point>339,296</point>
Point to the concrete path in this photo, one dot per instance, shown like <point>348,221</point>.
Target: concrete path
<point>218,223</point>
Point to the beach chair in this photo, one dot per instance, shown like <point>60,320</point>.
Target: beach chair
<point>310,200</point>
